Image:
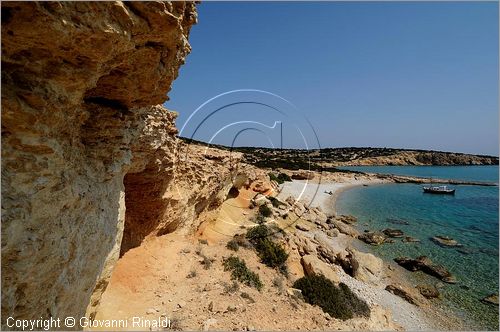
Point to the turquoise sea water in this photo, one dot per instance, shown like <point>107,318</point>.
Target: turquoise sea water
<point>470,217</point>
<point>469,173</point>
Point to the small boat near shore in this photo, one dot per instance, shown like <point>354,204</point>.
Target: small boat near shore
<point>444,190</point>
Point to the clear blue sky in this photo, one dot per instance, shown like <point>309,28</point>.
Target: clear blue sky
<point>409,75</point>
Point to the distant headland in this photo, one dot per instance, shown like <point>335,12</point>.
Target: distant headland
<point>327,159</point>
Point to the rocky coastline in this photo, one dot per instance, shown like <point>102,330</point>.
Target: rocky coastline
<point>402,286</point>
<point>378,237</point>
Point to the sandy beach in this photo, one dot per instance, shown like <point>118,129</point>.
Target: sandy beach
<point>324,192</point>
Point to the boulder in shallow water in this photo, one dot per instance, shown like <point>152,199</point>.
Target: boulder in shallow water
<point>428,291</point>
<point>466,251</point>
<point>491,299</point>
<point>374,238</point>
<point>397,221</point>
<point>390,232</point>
<point>409,239</point>
<point>406,293</point>
<point>424,264</point>
<point>445,241</point>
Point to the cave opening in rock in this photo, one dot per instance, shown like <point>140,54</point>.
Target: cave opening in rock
<point>233,193</point>
<point>144,206</point>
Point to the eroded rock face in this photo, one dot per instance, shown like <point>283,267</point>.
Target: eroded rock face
<point>183,183</point>
<point>78,82</point>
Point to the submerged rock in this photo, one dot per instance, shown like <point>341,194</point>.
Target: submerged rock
<point>424,264</point>
<point>393,232</point>
<point>348,219</point>
<point>445,241</point>
<point>374,238</point>
<point>397,221</point>
<point>466,251</point>
<point>429,291</point>
<point>409,239</point>
<point>491,299</point>
<point>491,252</point>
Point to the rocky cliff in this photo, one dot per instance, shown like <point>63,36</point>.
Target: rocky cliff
<point>88,155</point>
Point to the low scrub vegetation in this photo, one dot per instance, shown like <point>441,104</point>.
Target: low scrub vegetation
<point>279,284</point>
<point>280,178</point>
<point>242,241</point>
<point>256,234</point>
<point>265,211</point>
<point>338,301</point>
<point>274,201</point>
<point>259,219</point>
<point>270,253</point>
<point>233,245</point>
<point>242,273</point>
<point>231,288</point>
<point>206,261</point>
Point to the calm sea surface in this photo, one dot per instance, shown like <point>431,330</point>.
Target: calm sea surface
<point>470,217</point>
